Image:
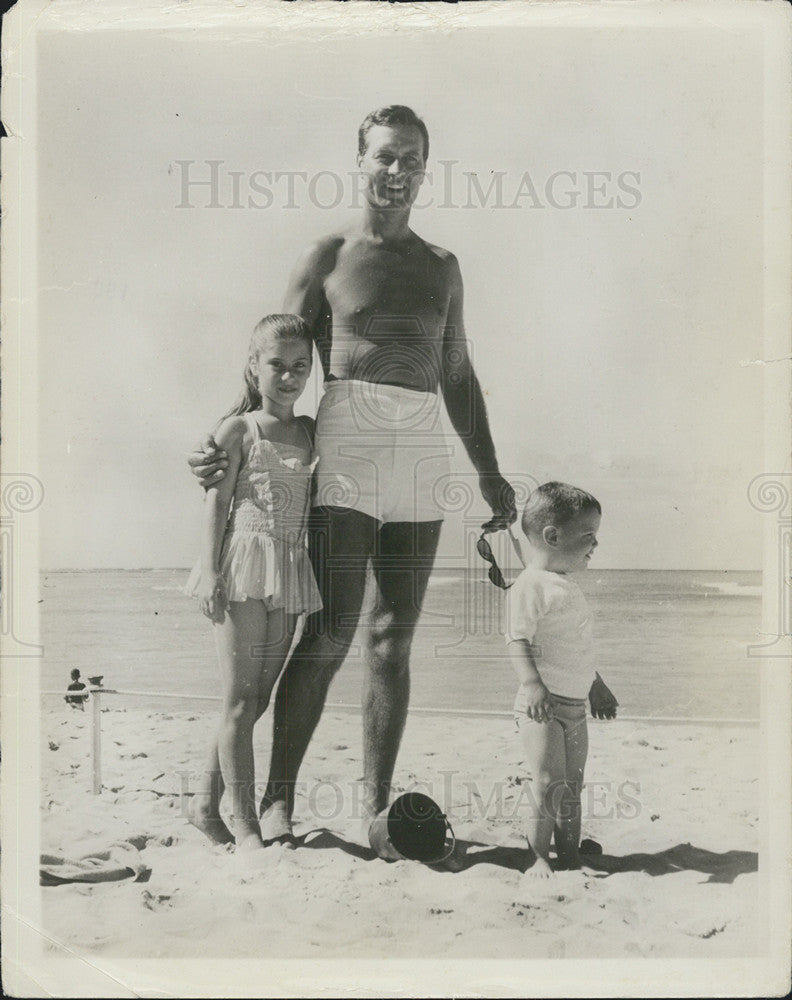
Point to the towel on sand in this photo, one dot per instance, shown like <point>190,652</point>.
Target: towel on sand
<point>120,860</point>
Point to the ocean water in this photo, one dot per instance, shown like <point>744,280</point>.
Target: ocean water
<point>670,644</point>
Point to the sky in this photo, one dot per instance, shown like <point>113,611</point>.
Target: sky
<point>613,271</point>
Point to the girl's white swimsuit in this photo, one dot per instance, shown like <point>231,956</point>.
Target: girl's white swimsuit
<point>264,555</point>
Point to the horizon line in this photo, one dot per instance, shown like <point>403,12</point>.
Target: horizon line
<point>442,569</point>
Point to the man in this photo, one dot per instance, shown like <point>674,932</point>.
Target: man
<point>385,308</point>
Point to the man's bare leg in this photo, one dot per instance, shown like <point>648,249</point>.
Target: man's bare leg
<point>341,542</point>
<point>402,565</point>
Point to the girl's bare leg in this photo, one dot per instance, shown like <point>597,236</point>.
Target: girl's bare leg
<point>204,808</point>
<point>241,641</point>
<point>544,747</point>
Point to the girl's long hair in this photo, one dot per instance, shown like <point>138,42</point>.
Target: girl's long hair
<point>280,326</point>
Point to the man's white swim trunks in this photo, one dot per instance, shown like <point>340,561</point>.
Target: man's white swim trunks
<point>382,451</point>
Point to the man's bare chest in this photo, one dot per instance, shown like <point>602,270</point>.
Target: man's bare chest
<point>363,288</point>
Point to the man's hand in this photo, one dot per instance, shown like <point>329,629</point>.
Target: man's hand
<point>500,497</point>
<point>537,702</point>
<point>207,462</point>
<point>602,700</point>
<point>212,598</point>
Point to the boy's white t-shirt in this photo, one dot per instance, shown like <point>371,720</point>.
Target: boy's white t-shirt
<point>549,611</point>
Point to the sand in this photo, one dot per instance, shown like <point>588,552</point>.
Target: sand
<point>674,806</point>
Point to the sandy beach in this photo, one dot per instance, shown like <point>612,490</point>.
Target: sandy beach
<point>675,807</point>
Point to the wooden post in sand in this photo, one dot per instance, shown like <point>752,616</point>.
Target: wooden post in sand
<point>96,699</point>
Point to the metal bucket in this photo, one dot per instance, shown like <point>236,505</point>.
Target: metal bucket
<point>412,828</point>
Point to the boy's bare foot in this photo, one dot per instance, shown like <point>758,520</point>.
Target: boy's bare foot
<point>211,825</point>
<point>539,871</point>
<point>276,827</point>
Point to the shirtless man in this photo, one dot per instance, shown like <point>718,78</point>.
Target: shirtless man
<point>386,310</point>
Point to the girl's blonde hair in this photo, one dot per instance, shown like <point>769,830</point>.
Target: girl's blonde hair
<point>279,326</point>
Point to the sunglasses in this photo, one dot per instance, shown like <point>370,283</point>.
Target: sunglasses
<point>485,551</point>
<point>494,573</point>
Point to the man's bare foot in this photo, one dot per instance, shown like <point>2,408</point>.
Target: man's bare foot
<point>211,825</point>
<point>250,842</point>
<point>276,827</point>
<point>539,871</point>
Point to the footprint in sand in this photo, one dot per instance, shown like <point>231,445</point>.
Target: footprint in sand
<point>156,902</point>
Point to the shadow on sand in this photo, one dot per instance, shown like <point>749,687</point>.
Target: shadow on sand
<point>684,857</point>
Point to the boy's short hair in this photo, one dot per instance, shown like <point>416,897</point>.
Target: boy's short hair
<point>555,504</point>
<point>394,114</point>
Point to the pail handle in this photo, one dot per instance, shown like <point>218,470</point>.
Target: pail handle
<point>450,851</point>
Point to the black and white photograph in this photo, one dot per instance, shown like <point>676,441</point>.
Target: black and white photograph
<point>396,498</point>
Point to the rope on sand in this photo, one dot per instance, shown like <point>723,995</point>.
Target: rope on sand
<point>485,713</point>
<point>96,728</point>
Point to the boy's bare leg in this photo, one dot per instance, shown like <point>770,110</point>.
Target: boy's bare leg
<point>567,832</point>
<point>401,565</point>
<point>341,542</point>
<point>543,743</point>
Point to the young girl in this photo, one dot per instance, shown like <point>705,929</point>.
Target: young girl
<point>254,576</point>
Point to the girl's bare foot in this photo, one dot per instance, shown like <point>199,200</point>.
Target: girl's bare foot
<point>276,827</point>
<point>251,855</point>
<point>210,824</point>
